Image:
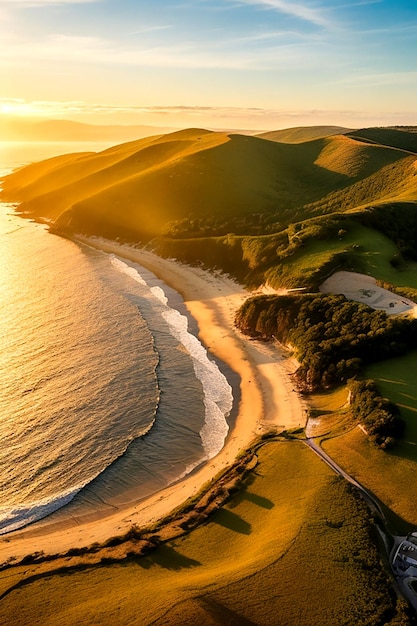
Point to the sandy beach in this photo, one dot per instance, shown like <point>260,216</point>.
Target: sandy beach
<point>267,401</point>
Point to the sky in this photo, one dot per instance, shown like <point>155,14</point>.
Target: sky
<point>241,64</point>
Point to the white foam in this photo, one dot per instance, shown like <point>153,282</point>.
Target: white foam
<point>127,269</point>
<point>159,294</point>
<point>218,397</point>
<point>13,519</point>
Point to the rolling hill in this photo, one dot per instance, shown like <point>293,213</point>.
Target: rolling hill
<point>403,138</point>
<point>300,134</point>
<point>262,210</point>
<point>193,182</point>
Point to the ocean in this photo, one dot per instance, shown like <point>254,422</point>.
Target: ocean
<point>106,394</point>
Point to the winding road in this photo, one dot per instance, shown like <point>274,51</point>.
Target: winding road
<point>390,540</point>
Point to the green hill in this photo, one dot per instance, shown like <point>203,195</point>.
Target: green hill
<point>401,137</point>
<point>194,182</point>
<point>300,134</point>
<point>265,211</point>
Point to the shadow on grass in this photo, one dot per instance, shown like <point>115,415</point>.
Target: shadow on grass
<point>167,557</point>
<point>404,450</point>
<point>222,614</point>
<point>251,496</point>
<point>258,500</point>
<point>232,521</point>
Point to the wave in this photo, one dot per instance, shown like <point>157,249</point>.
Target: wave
<point>218,397</point>
<point>13,519</point>
<point>18,517</point>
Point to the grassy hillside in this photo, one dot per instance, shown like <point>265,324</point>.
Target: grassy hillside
<point>195,182</point>
<point>294,534</point>
<point>300,134</point>
<point>284,213</point>
<point>403,138</point>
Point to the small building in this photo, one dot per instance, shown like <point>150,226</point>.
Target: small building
<point>405,557</point>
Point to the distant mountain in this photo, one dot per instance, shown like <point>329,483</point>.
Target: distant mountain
<point>300,134</point>
<point>194,182</point>
<point>16,129</point>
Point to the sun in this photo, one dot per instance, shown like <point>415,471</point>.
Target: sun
<point>17,108</point>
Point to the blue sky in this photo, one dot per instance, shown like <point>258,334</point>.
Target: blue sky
<point>258,64</point>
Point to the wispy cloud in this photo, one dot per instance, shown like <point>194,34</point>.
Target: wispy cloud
<point>379,79</point>
<point>360,3</point>
<point>302,11</point>
<point>188,55</point>
<point>151,29</point>
<point>206,116</point>
<point>394,29</point>
<point>44,3</point>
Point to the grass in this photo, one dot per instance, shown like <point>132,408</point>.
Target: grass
<point>300,269</point>
<point>394,181</point>
<point>329,413</point>
<point>254,260</point>
<point>361,249</point>
<point>395,137</point>
<point>265,558</point>
<point>389,475</point>
<point>140,186</point>
<point>396,379</point>
<point>300,134</point>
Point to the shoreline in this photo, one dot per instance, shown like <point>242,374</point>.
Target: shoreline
<point>267,401</point>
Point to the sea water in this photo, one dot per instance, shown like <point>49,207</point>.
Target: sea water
<point>105,394</point>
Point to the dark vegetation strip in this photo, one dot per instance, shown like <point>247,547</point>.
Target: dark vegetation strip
<point>140,541</point>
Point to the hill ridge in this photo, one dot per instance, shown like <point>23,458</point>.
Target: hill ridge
<point>143,186</point>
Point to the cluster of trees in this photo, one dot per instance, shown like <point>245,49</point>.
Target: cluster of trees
<point>379,417</point>
<point>398,222</point>
<point>335,336</point>
<point>294,233</point>
<point>209,226</point>
<point>332,339</point>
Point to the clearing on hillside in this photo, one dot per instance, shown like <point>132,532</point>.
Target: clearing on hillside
<point>363,288</point>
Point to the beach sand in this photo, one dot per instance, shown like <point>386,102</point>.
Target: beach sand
<point>267,402</point>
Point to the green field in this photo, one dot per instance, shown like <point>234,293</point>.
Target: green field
<point>396,379</point>
<point>390,475</point>
<point>294,546</point>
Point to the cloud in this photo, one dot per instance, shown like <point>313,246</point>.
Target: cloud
<point>43,3</point>
<point>214,117</point>
<point>401,30</point>
<point>84,50</point>
<point>360,3</point>
<point>294,9</point>
<point>380,79</point>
